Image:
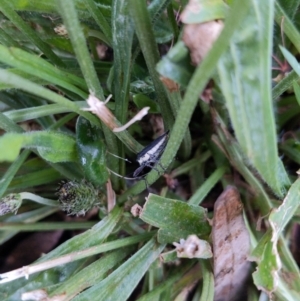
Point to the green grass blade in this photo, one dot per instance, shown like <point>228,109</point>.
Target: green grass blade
<point>122,43</point>
<point>288,27</point>
<point>284,84</point>
<point>40,111</point>
<point>204,189</point>
<point>12,170</point>
<point>208,281</point>
<point>247,90</point>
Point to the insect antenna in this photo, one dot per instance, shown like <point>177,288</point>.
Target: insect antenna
<point>127,178</point>
<point>119,157</point>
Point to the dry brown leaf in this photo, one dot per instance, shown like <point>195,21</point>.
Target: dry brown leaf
<point>199,38</point>
<point>231,246</point>
<point>170,84</point>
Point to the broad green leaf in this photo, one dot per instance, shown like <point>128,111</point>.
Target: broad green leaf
<point>52,146</point>
<point>245,83</point>
<point>91,151</point>
<point>237,159</point>
<point>176,219</point>
<point>280,217</point>
<point>270,262</point>
<point>120,284</point>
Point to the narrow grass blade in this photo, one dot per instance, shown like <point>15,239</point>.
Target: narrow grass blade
<point>100,19</point>
<point>204,189</point>
<point>12,170</point>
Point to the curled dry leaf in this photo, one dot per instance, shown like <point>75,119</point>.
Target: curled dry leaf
<point>61,30</point>
<point>231,246</point>
<point>136,210</point>
<point>35,295</point>
<point>98,107</point>
<point>193,247</point>
<point>41,295</point>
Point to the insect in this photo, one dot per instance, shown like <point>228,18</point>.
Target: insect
<point>149,157</point>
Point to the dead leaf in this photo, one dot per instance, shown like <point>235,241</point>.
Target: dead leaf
<point>231,246</point>
<point>199,38</point>
<point>136,210</point>
<point>170,84</point>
